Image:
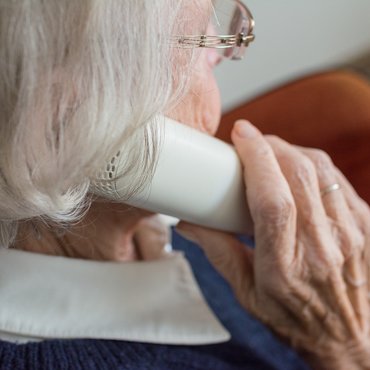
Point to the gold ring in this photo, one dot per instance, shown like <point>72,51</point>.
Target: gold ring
<point>329,189</point>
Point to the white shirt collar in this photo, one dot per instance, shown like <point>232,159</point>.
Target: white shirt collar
<point>56,297</point>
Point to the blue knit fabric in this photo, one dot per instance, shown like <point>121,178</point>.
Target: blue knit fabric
<point>252,346</point>
<point>108,355</point>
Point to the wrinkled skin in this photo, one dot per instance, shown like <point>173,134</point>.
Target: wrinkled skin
<point>307,277</point>
<point>108,231</point>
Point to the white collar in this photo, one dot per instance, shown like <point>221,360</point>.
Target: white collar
<point>56,297</point>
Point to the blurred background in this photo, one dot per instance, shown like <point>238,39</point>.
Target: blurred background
<point>295,38</point>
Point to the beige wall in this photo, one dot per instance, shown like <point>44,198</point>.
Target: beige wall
<point>295,37</point>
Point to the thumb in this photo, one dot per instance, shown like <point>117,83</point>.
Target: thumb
<point>231,258</point>
<point>152,237</point>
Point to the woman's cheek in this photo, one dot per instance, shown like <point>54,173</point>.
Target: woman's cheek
<point>201,106</point>
<point>211,110</point>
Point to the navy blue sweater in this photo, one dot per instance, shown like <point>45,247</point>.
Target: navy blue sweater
<point>252,346</point>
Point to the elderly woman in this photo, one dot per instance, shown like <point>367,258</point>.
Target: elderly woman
<point>79,81</point>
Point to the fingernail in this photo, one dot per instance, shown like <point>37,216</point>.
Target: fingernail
<point>245,129</point>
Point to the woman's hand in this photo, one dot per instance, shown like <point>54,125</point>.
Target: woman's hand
<point>307,277</point>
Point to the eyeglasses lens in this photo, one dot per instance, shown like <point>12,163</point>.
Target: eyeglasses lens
<point>228,18</point>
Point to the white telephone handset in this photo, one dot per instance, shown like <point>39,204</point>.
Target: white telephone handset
<point>198,179</point>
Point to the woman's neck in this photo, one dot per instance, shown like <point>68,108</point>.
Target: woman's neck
<point>106,232</point>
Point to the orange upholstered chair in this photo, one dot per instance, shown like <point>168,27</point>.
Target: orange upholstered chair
<point>330,111</point>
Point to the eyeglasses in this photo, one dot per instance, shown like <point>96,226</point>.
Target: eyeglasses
<point>230,30</point>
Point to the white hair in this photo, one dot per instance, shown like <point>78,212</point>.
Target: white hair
<point>77,79</point>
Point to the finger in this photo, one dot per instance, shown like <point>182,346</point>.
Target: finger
<point>268,195</point>
<point>366,257</point>
<point>321,236</point>
<point>359,207</point>
<point>232,259</point>
<point>346,311</point>
<point>355,276</point>
<point>152,238</point>
<point>361,212</point>
<point>302,178</point>
<point>334,201</point>
<point>349,235</point>
<point>301,175</point>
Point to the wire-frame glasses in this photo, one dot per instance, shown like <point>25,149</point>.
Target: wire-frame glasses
<point>230,30</point>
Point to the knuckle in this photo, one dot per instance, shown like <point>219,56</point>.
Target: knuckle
<point>356,238</point>
<point>277,211</point>
<point>305,172</point>
<point>351,240</point>
<point>321,159</point>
